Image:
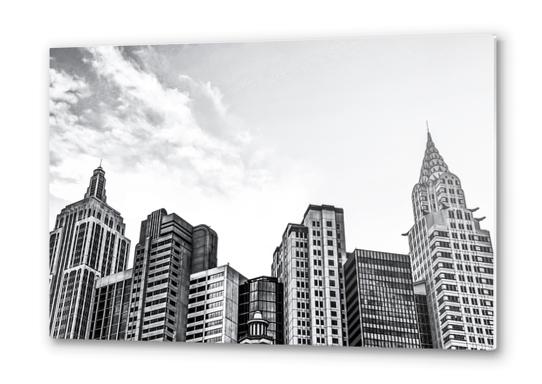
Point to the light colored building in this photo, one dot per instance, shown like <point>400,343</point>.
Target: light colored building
<point>454,256</point>
<point>213,306</point>
<point>86,244</point>
<point>309,263</point>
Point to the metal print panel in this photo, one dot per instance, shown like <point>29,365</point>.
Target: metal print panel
<point>312,193</point>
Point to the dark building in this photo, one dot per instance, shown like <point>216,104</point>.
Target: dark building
<point>262,295</point>
<point>161,277</point>
<point>112,306</point>
<point>86,244</point>
<point>422,310</point>
<point>204,247</point>
<point>257,331</point>
<point>380,303</point>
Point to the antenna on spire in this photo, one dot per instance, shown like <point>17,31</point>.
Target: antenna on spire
<point>100,162</point>
<point>427,125</point>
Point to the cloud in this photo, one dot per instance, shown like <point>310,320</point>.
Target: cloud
<point>120,111</point>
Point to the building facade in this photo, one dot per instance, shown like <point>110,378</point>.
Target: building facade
<point>257,331</point>
<point>161,276</point>
<point>422,311</point>
<point>87,243</point>
<point>213,306</point>
<point>262,295</point>
<point>309,263</point>
<point>111,306</point>
<point>204,248</point>
<point>454,255</point>
<point>380,302</point>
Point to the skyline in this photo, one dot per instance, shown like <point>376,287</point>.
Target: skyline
<point>281,181</point>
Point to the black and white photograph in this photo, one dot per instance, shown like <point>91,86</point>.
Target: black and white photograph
<point>307,193</point>
<point>275,192</point>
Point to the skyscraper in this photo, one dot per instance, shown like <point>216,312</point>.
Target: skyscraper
<point>163,260</point>
<point>213,307</point>
<point>86,244</point>
<point>380,303</point>
<point>309,263</point>
<point>454,256</point>
<point>264,295</point>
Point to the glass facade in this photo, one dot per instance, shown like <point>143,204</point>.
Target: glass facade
<point>204,247</point>
<point>111,306</point>
<point>264,295</point>
<point>380,300</point>
<point>422,310</point>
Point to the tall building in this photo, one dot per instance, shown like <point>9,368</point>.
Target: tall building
<point>422,311</point>
<point>213,306</point>
<point>262,295</point>
<point>380,303</point>
<point>454,256</point>
<point>112,306</point>
<point>161,276</point>
<point>309,263</point>
<point>87,243</point>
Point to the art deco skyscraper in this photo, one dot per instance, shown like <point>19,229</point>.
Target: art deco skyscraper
<point>87,243</point>
<point>454,256</point>
<point>309,263</point>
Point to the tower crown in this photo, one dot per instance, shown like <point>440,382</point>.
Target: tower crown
<point>96,186</point>
<point>257,326</point>
<point>433,164</point>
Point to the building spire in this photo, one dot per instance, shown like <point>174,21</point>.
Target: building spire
<point>429,138</point>
<point>96,186</point>
<point>433,164</point>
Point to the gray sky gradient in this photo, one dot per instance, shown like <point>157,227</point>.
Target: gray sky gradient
<point>243,137</point>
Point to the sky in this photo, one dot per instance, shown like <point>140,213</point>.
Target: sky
<point>243,136</point>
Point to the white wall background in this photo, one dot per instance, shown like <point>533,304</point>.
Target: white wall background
<point>27,30</point>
